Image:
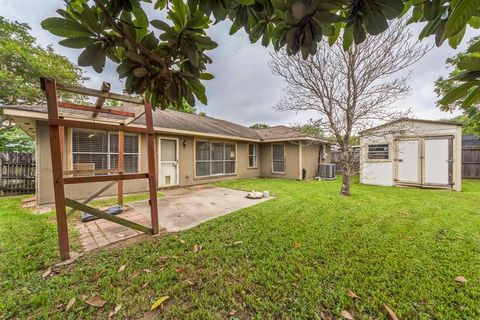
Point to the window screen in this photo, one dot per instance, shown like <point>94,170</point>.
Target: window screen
<point>252,155</point>
<point>214,158</point>
<point>378,151</point>
<point>99,150</point>
<point>278,158</point>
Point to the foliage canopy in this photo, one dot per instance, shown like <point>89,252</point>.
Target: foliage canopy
<point>169,67</point>
<point>22,63</point>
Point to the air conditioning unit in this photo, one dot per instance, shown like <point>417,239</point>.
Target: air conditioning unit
<point>327,171</point>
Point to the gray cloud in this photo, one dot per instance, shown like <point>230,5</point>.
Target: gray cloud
<point>244,90</point>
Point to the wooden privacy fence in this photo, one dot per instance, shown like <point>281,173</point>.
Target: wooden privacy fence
<point>471,162</point>
<point>17,175</point>
<point>336,160</point>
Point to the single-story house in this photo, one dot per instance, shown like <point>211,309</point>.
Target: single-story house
<point>191,149</point>
<point>411,152</point>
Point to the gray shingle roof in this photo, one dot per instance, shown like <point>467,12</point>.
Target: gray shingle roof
<point>176,120</point>
<point>470,140</point>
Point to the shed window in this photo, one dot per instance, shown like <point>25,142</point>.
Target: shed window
<point>278,158</point>
<point>252,155</point>
<point>378,151</point>
<point>214,158</point>
<point>98,150</point>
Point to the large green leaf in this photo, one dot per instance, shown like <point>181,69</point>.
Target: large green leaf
<point>77,43</point>
<point>65,28</point>
<point>456,93</point>
<point>461,13</point>
<point>375,22</point>
<point>470,63</point>
<point>391,8</point>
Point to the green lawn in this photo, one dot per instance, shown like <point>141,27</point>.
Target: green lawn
<point>298,256</point>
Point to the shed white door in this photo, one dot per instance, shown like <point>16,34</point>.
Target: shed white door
<point>437,161</point>
<point>407,161</point>
<point>168,168</point>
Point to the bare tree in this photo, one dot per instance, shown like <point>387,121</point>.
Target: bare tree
<point>350,90</point>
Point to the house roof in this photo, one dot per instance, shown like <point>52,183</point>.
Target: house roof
<point>470,141</point>
<point>410,120</point>
<point>284,133</point>
<point>176,122</point>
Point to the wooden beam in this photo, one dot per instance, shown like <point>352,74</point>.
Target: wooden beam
<point>120,166</point>
<point>98,126</point>
<point>100,214</point>
<point>98,93</point>
<point>111,177</point>
<point>91,171</point>
<point>100,100</point>
<point>58,187</point>
<point>93,196</point>
<point>152,181</point>
<point>74,106</point>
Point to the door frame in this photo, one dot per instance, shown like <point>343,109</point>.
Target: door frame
<point>421,157</point>
<point>450,162</point>
<point>177,180</point>
<point>420,161</point>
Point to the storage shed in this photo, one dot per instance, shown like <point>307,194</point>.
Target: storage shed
<point>412,152</point>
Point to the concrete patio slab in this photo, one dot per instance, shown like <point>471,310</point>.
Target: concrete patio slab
<point>179,209</point>
<point>184,208</point>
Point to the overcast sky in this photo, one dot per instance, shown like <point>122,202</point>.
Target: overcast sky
<point>244,90</point>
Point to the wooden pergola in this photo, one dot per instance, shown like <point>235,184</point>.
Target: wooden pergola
<point>60,177</point>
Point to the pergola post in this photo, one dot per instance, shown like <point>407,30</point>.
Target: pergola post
<point>152,181</point>
<point>120,166</point>
<point>57,168</point>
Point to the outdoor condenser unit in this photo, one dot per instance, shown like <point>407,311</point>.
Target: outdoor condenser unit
<point>327,171</point>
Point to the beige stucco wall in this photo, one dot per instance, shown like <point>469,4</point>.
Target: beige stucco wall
<point>295,160</point>
<point>292,158</point>
<point>45,193</point>
<point>81,191</point>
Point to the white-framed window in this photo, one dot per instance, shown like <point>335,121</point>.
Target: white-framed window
<point>378,151</point>
<point>278,158</point>
<point>213,158</point>
<point>252,155</point>
<point>98,150</point>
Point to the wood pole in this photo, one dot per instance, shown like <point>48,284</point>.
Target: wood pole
<point>57,168</point>
<point>120,166</point>
<point>151,166</point>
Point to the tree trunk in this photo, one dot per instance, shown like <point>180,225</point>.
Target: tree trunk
<point>345,191</point>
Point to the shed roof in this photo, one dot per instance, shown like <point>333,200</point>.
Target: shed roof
<point>447,122</point>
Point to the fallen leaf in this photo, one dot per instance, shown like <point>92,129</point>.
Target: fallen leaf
<point>115,311</point>
<point>159,302</point>
<point>232,312</point>
<point>346,315</point>
<point>197,248</point>
<point>96,302</point>
<point>352,294</point>
<point>147,270</point>
<point>189,282</point>
<point>461,279</point>
<point>98,275</point>
<point>180,269</point>
<point>163,259</point>
<point>296,245</point>
<point>70,304</point>
<point>181,241</point>
<point>47,273</point>
<point>238,242</point>
<point>122,268</point>
<point>392,314</point>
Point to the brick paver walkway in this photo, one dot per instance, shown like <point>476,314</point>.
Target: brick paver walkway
<point>98,233</point>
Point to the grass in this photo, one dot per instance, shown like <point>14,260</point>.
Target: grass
<point>298,256</point>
